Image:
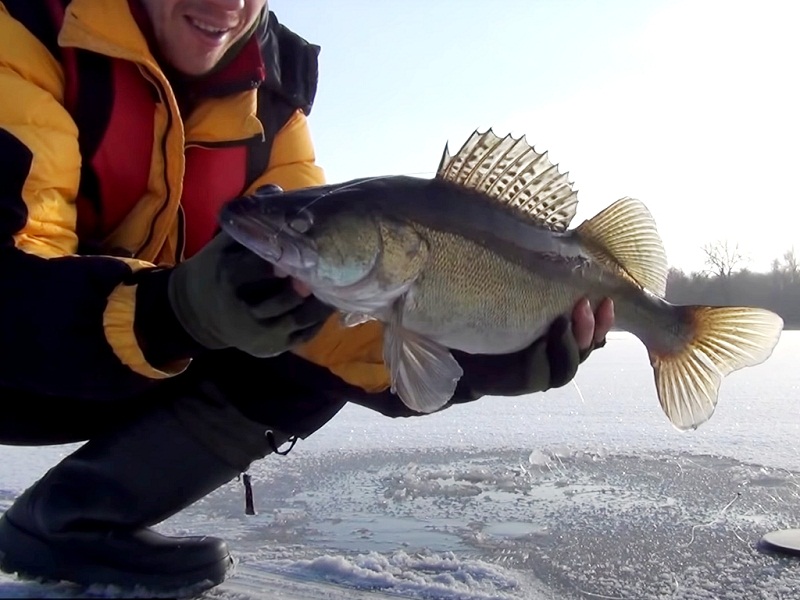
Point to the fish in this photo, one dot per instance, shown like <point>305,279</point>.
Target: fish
<point>481,258</point>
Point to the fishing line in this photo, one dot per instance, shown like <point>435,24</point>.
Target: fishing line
<point>716,517</point>
<point>577,389</point>
<point>338,188</point>
<point>334,188</point>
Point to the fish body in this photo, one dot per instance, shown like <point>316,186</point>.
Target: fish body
<point>480,258</point>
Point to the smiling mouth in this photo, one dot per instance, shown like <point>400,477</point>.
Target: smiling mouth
<point>212,31</point>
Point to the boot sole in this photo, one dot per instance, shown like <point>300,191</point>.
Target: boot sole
<point>40,563</point>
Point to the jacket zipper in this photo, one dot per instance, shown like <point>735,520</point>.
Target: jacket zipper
<point>179,248</point>
<point>167,188</point>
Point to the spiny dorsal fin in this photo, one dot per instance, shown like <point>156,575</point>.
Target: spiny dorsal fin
<point>625,235</point>
<point>509,170</point>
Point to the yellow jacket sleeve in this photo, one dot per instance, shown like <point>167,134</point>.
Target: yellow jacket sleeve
<point>62,331</point>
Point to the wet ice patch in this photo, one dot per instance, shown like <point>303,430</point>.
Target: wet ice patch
<point>576,523</point>
<point>586,523</point>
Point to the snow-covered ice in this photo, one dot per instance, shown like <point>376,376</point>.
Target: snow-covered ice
<point>583,492</point>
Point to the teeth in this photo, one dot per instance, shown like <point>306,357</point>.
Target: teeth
<point>206,27</point>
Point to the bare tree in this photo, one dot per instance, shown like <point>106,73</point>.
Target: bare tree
<point>790,266</point>
<point>723,258</point>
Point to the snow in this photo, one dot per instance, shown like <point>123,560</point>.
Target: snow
<point>583,492</point>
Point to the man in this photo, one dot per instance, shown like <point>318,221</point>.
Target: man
<point>124,125</point>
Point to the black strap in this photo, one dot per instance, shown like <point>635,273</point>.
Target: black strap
<point>273,113</point>
<point>274,446</point>
<point>249,505</point>
<point>292,74</point>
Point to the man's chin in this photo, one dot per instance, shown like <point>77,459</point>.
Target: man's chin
<point>197,65</point>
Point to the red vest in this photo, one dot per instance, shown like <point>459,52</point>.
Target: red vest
<point>113,105</point>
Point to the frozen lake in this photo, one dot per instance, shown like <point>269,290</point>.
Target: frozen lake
<point>582,492</point>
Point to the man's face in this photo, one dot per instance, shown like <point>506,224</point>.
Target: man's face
<point>193,35</point>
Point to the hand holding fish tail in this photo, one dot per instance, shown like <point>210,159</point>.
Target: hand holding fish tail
<point>590,328</point>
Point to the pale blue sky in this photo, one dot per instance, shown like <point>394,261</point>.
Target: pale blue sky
<point>689,105</point>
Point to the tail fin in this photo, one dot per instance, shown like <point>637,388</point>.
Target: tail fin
<point>727,338</point>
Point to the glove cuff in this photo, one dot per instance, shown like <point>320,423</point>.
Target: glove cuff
<point>161,336</point>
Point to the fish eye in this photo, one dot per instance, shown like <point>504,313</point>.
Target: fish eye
<point>301,222</point>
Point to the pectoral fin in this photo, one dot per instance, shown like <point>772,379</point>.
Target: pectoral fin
<point>423,373</point>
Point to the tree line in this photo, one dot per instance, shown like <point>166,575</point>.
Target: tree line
<point>727,281</point>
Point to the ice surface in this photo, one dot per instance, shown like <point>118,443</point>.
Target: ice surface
<point>558,495</point>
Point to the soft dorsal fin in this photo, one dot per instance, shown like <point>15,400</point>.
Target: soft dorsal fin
<point>509,170</point>
<point>625,235</point>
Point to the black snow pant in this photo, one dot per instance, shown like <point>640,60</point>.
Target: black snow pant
<point>146,458</point>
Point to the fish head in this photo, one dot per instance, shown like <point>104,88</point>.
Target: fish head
<point>340,246</point>
<point>273,231</point>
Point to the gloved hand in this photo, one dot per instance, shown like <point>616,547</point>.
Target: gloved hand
<point>549,362</point>
<point>222,297</point>
<point>225,296</point>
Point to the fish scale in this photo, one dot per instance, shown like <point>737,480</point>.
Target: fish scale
<point>470,300</point>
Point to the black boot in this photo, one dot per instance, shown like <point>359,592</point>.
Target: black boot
<point>86,521</point>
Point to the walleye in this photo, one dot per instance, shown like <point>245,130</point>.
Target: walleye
<point>479,258</point>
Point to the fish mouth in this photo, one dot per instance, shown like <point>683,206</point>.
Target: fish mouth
<point>268,236</point>
<point>255,235</point>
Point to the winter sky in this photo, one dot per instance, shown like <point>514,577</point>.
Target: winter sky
<point>689,105</point>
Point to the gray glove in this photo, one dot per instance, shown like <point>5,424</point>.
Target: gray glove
<point>225,296</point>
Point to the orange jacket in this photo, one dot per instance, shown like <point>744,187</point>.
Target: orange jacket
<point>68,323</point>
